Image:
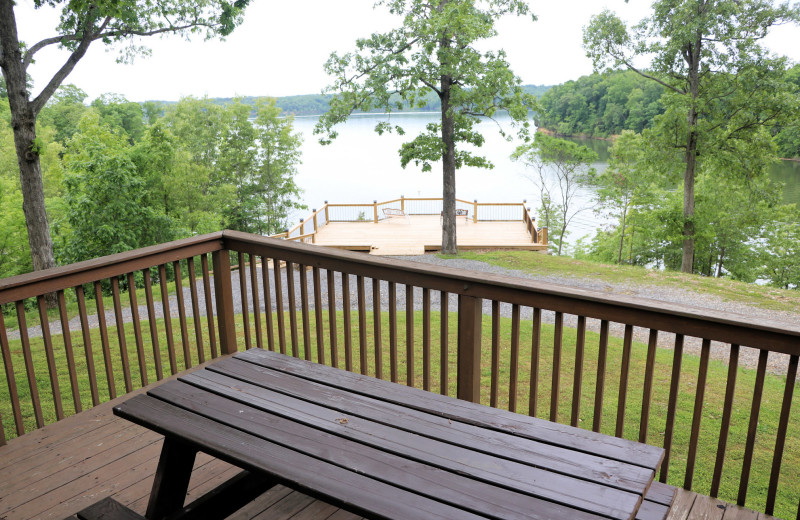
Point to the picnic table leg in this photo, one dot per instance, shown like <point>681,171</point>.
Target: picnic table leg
<point>172,479</point>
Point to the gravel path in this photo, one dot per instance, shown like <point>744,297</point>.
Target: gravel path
<point>749,357</point>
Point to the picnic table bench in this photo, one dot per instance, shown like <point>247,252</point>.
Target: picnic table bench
<point>383,450</point>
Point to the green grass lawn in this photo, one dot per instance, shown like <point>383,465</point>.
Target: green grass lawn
<point>789,490</point>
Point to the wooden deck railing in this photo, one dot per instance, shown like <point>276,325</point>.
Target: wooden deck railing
<point>307,228</point>
<point>563,354</point>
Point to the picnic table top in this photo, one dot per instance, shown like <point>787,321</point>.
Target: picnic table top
<point>389,451</point>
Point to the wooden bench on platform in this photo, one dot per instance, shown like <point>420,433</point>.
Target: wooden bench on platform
<point>379,449</point>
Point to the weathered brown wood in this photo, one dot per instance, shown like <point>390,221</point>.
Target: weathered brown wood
<point>727,410</point>
<point>223,295</point>
<point>602,356</point>
<point>108,509</point>
<point>172,479</point>
<point>8,365</point>
<point>228,497</point>
<point>304,312</point>
<point>29,369</point>
<point>577,383</point>
<point>426,339</point>
<point>393,360</point>
<point>320,328</point>
<point>758,391</point>
<point>87,344</point>
<point>167,312</point>
<point>243,295</point>
<point>212,336</point>
<point>623,379</point>
<point>50,356</point>
<point>187,352</point>
<point>469,348</point>
<point>647,391</point>
<point>68,350</point>
<point>332,326</point>
<point>410,369</point>
<point>495,373</point>
<point>123,345</point>
<point>104,343</point>
<point>697,415</point>
<point>198,326</point>
<point>672,404</point>
<point>555,389</point>
<point>682,506</point>
<point>137,329</point>
<point>153,323</point>
<point>707,508</point>
<point>347,324</point>
<point>536,341</point>
<point>256,302</point>
<point>269,324</point>
<point>276,270</point>
<point>362,325</point>
<point>514,368</point>
<point>780,439</point>
<point>444,333</point>
<point>292,309</point>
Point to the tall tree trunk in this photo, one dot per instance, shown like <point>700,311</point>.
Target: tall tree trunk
<point>621,237</point>
<point>449,246</point>
<point>687,259</point>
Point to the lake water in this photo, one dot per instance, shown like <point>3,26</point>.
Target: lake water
<point>361,166</point>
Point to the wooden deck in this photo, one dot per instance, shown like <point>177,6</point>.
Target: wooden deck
<point>419,233</point>
<point>66,466</point>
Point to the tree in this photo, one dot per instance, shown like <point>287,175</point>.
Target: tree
<point>707,55</point>
<point>434,50</point>
<point>83,23</point>
<point>561,167</point>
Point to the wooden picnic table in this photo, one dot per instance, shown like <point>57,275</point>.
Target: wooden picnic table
<point>383,450</point>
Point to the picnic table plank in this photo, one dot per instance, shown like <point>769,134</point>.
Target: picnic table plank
<point>471,413</point>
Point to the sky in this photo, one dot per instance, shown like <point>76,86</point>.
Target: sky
<point>282,45</point>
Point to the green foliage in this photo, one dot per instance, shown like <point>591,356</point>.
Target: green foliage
<point>118,113</point>
<point>600,105</point>
<point>64,111</point>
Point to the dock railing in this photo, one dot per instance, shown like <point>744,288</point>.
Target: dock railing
<point>306,229</point>
<point>558,353</point>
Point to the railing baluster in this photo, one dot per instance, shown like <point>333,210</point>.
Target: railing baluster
<point>243,297</point>
<point>292,308</point>
<point>87,344</point>
<point>187,352</point>
<point>151,318</point>
<point>674,384</point>
<point>495,375</point>
<point>276,270</point>
<point>101,318</point>
<point>555,390</point>
<point>68,350</point>
<point>162,279</point>
<point>51,360</point>
<point>362,323</point>
<point>347,324</point>
<point>137,329</point>
<point>647,391</point>
<point>304,312</point>
<point>469,348</point>
<point>332,329</point>
<point>10,379</point>
<point>444,333</point>
<point>727,409</point>
<point>212,336</point>
<point>536,345</point>
<point>623,380</point>
<point>123,345</point>
<point>393,332</point>
<point>29,369</point>
<point>376,323</point>
<point>577,385</point>
<point>267,304</point>
<point>198,330</point>
<point>697,415</point>
<point>600,384</point>
<point>320,327</point>
<point>780,439</point>
<point>426,338</point>
<point>410,372</point>
<point>758,391</point>
<point>256,301</point>
<point>223,296</point>
<point>514,368</point>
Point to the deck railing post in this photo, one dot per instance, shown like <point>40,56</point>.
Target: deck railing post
<point>544,236</point>
<point>534,237</point>
<point>402,203</point>
<point>469,348</point>
<point>327,217</point>
<point>314,212</point>
<point>375,210</point>
<point>475,211</point>
<point>224,296</point>
<point>302,227</point>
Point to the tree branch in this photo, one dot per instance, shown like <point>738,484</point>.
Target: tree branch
<point>648,76</point>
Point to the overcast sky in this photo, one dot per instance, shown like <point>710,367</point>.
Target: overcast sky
<point>282,45</point>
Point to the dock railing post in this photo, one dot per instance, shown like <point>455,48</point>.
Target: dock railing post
<point>314,213</point>
<point>475,211</point>
<point>375,210</point>
<point>302,227</point>
<point>327,217</point>
<point>469,348</point>
<point>402,203</point>
<point>544,236</point>
<point>224,296</point>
